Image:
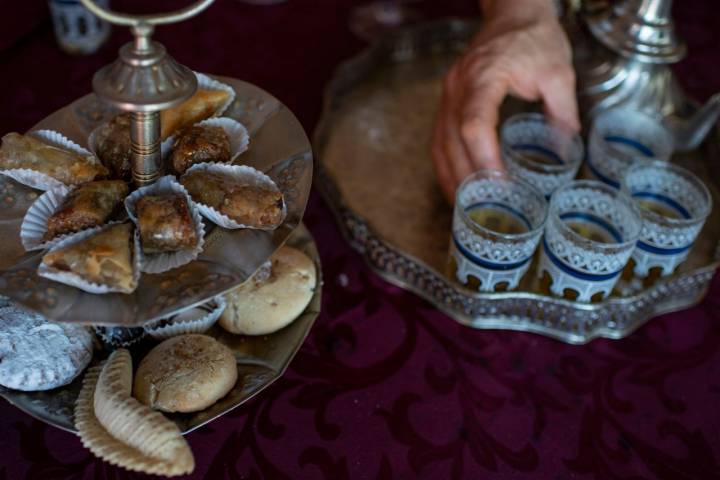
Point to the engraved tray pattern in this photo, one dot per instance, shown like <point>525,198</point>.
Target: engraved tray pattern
<point>378,117</point>
<point>261,360</point>
<point>278,146</point>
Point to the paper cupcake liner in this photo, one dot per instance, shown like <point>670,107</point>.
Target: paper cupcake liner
<point>119,337</point>
<point>194,320</point>
<point>162,262</point>
<point>38,180</point>
<point>236,132</point>
<point>247,176</point>
<point>72,279</point>
<point>34,225</point>
<point>207,83</point>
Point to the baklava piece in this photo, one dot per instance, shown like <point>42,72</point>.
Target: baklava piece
<point>113,147</point>
<point>198,144</point>
<point>203,104</point>
<point>105,258</point>
<point>90,205</point>
<point>165,223</point>
<point>27,152</point>
<point>250,205</point>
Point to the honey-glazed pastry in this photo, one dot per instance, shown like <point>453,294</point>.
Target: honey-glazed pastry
<point>198,144</point>
<point>113,146</point>
<point>251,205</point>
<point>90,205</point>
<point>272,298</point>
<point>203,104</point>
<point>104,258</point>
<point>27,152</point>
<point>165,223</point>
<point>186,373</point>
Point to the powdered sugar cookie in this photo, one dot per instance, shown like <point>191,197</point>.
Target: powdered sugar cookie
<point>38,354</point>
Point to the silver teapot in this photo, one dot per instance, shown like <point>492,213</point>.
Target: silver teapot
<point>629,65</point>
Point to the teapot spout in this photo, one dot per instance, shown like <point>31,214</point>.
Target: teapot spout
<point>688,133</point>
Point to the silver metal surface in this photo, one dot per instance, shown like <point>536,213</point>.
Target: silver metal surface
<point>627,62</point>
<point>378,117</point>
<point>145,146</point>
<point>279,147</point>
<point>261,361</point>
<point>144,80</point>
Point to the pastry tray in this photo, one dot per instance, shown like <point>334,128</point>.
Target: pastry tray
<point>375,172</point>
<point>278,147</point>
<point>261,360</point>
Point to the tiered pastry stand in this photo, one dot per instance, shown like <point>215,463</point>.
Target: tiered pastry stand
<point>279,147</point>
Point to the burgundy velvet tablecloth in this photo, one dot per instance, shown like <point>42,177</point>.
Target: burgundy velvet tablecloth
<point>385,386</point>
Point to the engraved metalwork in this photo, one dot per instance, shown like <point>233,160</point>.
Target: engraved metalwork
<point>261,361</point>
<point>280,148</point>
<point>378,117</point>
<point>144,80</point>
<point>637,45</point>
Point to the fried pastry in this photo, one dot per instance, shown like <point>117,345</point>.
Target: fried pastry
<point>198,144</point>
<point>165,223</point>
<point>26,152</point>
<point>105,258</point>
<point>89,205</point>
<point>200,106</point>
<point>250,205</point>
<point>113,147</point>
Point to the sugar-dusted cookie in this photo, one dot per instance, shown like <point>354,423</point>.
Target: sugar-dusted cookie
<point>186,373</point>
<point>266,303</point>
<point>40,355</point>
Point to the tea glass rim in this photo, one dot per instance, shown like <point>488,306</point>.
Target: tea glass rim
<point>505,175</point>
<point>612,191</point>
<point>622,155</point>
<point>575,158</point>
<point>687,175</point>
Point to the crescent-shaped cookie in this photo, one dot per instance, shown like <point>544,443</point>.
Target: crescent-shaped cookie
<point>122,431</point>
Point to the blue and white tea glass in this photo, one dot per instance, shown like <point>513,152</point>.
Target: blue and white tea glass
<point>591,232</point>
<point>77,30</point>
<point>621,137</point>
<point>673,204</point>
<point>541,153</point>
<point>497,224</point>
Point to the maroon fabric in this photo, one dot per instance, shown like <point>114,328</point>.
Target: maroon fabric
<point>385,386</point>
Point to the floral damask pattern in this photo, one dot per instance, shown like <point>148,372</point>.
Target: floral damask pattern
<point>385,387</point>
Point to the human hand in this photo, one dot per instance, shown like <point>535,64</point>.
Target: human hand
<point>521,50</point>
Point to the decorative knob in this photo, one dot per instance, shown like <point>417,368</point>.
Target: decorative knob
<point>143,81</point>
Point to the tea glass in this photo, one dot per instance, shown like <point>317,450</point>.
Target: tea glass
<point>497,224</point>
<point>540,152</point>
<point>673,204</point>
<point>622,136</point>
<point>591,232</point>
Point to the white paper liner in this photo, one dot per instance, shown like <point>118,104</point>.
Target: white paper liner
<point>194,320</point>
<point>34,225</point>
<point>38,180</point>
<point>162,262</point>
<point>236,132</point>
<point>245,175</point>
<point>207,83</point>
<point>69,278</point>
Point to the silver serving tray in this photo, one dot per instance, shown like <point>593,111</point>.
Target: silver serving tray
<point>261,360</point>
<point>375,172</point>
<point>278,146</point>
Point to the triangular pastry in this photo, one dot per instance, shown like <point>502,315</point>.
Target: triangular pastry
<point>105,258</point>
<point>203,104</point>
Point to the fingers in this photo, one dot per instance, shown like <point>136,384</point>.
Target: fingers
<point>558,94</point>
<point>479,121</point>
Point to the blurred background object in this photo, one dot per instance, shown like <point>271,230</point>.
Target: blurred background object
<point>77,30</point>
